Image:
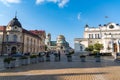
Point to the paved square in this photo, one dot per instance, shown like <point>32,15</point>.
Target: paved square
<point>107,69</point>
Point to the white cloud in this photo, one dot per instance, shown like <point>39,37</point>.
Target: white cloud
<point>60,3</point>
<point>7,2</point>
<point>79,16</point>
<point>39,1</point>
<point>54,1</point>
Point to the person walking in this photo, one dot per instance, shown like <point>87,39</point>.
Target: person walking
<point>59,55</point>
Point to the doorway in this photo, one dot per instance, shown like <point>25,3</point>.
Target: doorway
<point>13,50</point>
<point>115,47</point>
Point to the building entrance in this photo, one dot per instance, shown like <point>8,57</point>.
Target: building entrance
<point>13,50</point>
<point>115,47</point>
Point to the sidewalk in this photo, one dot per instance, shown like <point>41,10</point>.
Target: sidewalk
<point>1,63</point>
<point>76,70</point>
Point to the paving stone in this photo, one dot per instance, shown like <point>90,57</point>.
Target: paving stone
<point>107,69</point>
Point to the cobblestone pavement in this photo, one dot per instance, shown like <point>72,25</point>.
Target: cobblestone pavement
<point>107,69</point>
<point>1,63</point>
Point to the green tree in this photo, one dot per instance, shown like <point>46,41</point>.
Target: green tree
<point>94,48</point>
<point>98,46</point>
<point>89,48</point>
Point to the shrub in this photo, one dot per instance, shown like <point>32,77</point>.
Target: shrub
<point>82,56</point>
<point>33,56</point>
<point>9,59</point>
<point>23,57</point>
<point>72,52</point>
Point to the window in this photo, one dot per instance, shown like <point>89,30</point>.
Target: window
<point>111,26</point>
<point>95,35</point>
<point>15,27</point>
<point>90,35</point>
<point>81,48</point>
<point>98,35</point>
<point>31,42</point>
<point>21,38</point>
<point>27,41</point>
<point>15,38</point>
<point>8,49</point>
<point>7,37</point>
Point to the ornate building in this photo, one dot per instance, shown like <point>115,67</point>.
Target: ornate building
<point>107,34</point>
<point>15,39</point>
<point>59,45</point>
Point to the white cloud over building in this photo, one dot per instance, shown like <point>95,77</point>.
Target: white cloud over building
<point>60,3</point>
<point>7,2</point>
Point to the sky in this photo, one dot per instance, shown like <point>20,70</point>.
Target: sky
<point>60,17</point>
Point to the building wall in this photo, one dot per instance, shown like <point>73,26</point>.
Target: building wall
<point>1,40</point>
<point>31,44</point>
<point>108,35</point>
<point>13,38</point>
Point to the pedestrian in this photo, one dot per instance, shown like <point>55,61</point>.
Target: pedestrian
<point>47,56</point>
<point>59,55</point>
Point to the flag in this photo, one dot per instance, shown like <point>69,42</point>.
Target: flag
<point>106,17</point>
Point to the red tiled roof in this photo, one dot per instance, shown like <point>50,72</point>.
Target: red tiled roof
<point>38,32</point>
<point>2,28</point>
<point>30,33</point>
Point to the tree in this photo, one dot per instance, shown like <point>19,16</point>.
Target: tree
<point>98,46</point>
<point>89,48</point>
<point>94,48</point>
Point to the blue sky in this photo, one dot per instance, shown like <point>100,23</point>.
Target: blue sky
<point>66,17</point>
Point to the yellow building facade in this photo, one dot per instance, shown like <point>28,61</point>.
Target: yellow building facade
<point>15,39</point>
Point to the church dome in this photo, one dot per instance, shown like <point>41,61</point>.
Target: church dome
<point>14,22</point>
<point>61,37</point>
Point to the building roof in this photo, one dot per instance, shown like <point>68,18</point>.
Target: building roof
<point>14,22</point>
<point>61,37</point>
<point>2,28</point>
<point>38,32</point>
<point>30,33</point>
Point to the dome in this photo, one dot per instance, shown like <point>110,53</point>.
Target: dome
<point>14,22</point>
<point>61,42</point>
<point>61,37</point>
<point>48,34</point>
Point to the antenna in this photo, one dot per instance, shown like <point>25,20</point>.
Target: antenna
<point>16,14</point>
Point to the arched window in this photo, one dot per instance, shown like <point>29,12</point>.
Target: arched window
<point>21,38</point>
<point>15,38</point>
<point>81,48</point>
<point>27,40</point>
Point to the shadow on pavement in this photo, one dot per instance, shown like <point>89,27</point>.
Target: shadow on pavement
<point>46,76</point>
<point>61,65</point>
